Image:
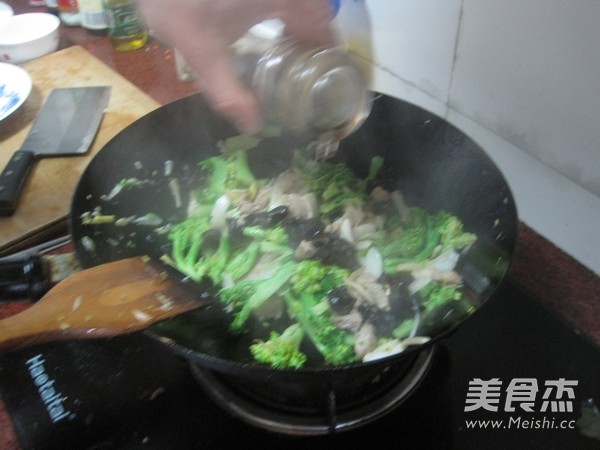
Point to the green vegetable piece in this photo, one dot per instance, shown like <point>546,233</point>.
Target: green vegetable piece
<point>374,168</point>
<point>281,350</point>
<point>335,345</point>
<point>226,173</point>
<point>239,175</point>
<point>276,235</point>
<point>243,261</point>
<point>317,278</point>
<point>241,142</point>
<point>248,295</point>
<point>187,239</point>
<point>215,264</point>
<point>436,295</point>
<point>217,169</point>
<point>336,185</point>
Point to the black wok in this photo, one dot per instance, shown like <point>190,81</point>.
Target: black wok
<point>432,163</point>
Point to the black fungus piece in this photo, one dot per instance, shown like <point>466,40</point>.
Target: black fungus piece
<point>261,219</point>
<point>303,230</point>
<point>401,303</point>
<point>236,231</point>
<point>383,321</point>
<point>278,214</point>
<point>340,300</point>
<point>332,250</point>
<point>211,239</point>
<point>267,219</point>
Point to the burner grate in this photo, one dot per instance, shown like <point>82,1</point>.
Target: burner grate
<point>339,410</point>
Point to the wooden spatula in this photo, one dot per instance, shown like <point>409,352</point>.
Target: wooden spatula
<point>108,300</point>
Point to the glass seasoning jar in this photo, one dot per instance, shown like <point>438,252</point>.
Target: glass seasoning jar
<point>320,92</point>
<point>125,27</point>
<point>93,16</point>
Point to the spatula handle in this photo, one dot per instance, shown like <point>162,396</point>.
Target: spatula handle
<point>12,180</point>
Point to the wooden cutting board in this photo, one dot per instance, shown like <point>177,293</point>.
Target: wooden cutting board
<point>46,199</point>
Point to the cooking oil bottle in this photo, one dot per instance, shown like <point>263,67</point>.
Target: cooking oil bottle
<point>125,27</point>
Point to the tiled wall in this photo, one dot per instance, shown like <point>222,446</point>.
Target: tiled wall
<point>522,77</point>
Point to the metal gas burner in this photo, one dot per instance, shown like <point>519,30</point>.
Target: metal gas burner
<point>333,418</point>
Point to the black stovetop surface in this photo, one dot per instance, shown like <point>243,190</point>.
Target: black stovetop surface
<point>130,393</point>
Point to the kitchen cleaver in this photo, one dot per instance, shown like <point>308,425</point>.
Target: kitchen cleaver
<point>66,125</point>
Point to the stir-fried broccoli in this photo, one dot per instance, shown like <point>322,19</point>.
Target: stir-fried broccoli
<point>229,251</point>
<point>317,278</point>
<point>310,283</point>
<point>246,296</point>
<point>453,235</point>
<point>443,305</point>
<point>335,345</point>
<point>422,236</point>
<point>242,261</point>
<point>187,238</point>
<point>436,295</point>
<point>281,350</point>
<point>226,173</point>
<point>336,185</point>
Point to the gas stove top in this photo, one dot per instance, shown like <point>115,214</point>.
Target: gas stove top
<point>514,376</point>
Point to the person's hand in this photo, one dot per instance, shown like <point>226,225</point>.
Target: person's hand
<point>203,30</point>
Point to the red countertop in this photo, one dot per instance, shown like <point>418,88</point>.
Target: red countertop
<point>553,278</point>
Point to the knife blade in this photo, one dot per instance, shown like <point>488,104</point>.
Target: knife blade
<point>65,126</point>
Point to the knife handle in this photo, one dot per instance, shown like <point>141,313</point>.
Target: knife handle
<point>12,180</point>
<point>25,277</point>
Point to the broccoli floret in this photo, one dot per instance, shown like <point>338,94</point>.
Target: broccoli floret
<point>443,306</point>
<point>271,240</point>
<point>276,235</point>
<point>317,278</point>
<point>248,295</point>
<point>226,173</point>
<point>335,345</point>
<point>421,236</point>
<point>190,253</point>
<point>213,263</point>
<point>215,168</point>
<point>242,261</point>
<point>187,238</point>
<point>436,295</point>
<point>281,350</point>
<point>452,234</point>
<point>409,244</point>
<point>335,185</point>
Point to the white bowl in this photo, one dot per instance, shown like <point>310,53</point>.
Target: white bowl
<point>27,36</point>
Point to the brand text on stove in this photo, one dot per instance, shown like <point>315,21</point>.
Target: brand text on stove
<point>53,400</point>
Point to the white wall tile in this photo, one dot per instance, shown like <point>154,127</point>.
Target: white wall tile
<point>530,71</point>
<point>415,40</point>
<point>524,85</point>
<point>553,205</point>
